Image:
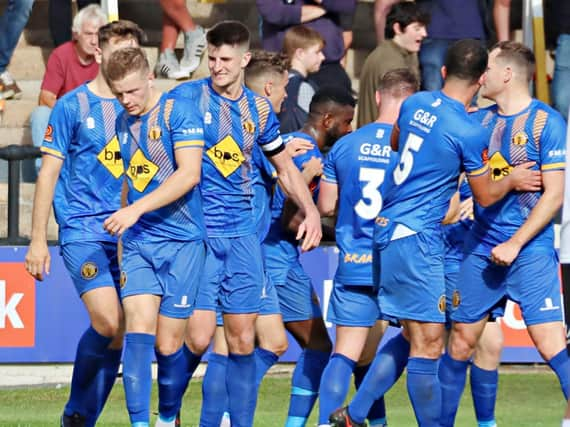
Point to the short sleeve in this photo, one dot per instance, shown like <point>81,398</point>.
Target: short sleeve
<point>186,126</point>
<point>60,129</point>
<point>269,138</point>
<point>329,169</point>
<point>552,141</point>
<point>474,149</point>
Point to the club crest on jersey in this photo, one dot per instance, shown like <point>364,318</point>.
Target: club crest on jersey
<point>441,304</point>
<point>110,157</point>
<point>155,132</point>
<point>48,135</point>
<point>89,270</point>
<point>123,279</point>
<point>226,156</point>
<point>249,126</point>
<point>520,138</point>
<point>141,171</point>
<point>382,221</point>
<point>456,299</point>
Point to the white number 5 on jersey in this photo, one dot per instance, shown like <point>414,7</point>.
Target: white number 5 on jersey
<point>371,191</point>
<point>413,144</point>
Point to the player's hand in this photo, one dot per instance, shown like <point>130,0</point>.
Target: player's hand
<point>505,253</point>
<point>466,209</point>
<point>310,230</point>
<point>313,167</point>
<point>526,179</point>
<point>124,218</point>
<point>38,259</point>
<point>298,146</point>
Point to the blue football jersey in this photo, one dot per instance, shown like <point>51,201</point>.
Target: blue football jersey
<point>148,143</point>
<point>81,132</point>
<point>538,133</point>
<point>232,128</point>
<point>359,163</point>
<point>279,239</point>
<point>438,140</point>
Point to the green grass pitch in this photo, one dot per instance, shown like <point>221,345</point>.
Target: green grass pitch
<point>525,399</point>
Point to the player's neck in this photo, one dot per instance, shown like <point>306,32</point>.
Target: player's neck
<point>153,99</point>
<point>460,91</point>
<point>389,111</point>
<point>513,101</point>
<point>99,87</point>
<point>319,136</point>
<point>232,91</point>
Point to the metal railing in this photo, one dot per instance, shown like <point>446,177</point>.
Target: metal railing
<point>14,154</point>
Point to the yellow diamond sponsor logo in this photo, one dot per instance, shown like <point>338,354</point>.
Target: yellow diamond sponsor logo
<point>141,171</point>
<point>226,156</point>
<point>499,166</point>
<point>110,157</point>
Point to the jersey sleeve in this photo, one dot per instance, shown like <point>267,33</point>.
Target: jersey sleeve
<point>329,169</point>
<point>186,126</point>
<point>269,138</point>
<point>60,129</point>
<point>552,142</point>
<point>474,151</point>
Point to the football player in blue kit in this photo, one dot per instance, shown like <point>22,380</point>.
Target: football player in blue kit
<point>266,75</point>
<point>354,172</point>
<point>510,248</point>
<point>436,139</point>
<point>330,115</point>
<point>235,120</point>
<point>162,225</point>
<point>82,174</point>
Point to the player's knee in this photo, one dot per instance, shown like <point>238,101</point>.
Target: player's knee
<point>198,343</point>
<point>168,347</point>
<point>241,342</point>
<point>108,326</point>
<point>461,344</point>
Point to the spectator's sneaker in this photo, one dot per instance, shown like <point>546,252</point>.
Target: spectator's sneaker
<point>74,420</point>
<point>8,87</point>
<point>168,66</point>
<point>194,47</point>
<point>340,418</point>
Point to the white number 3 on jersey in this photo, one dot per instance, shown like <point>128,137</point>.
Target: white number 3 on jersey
<point>371,191</point>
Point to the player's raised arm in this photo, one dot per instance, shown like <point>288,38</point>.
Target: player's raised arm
<point>38,258</point>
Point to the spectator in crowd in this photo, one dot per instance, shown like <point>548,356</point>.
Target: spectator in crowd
<point>12,23</point>
<point>560,93</point>
<point>60,19</point>
<point>405,30</point>
<point>303,46</point>
<point>321,16</point>
<point>69,66</point>
<point>175,18</point>
<point>451,20</point>
<point>346,21</point>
